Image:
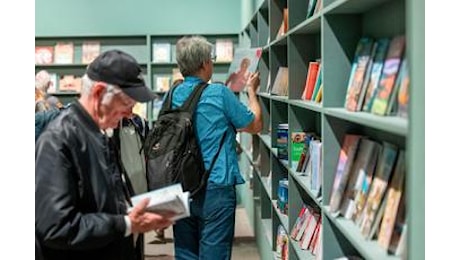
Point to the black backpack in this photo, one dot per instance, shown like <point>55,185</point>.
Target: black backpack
<point>171,148</point>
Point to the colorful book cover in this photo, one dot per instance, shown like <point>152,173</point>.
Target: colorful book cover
<point>312,74</point>
<point>89,51</point>
<point>394,198</point>
<point>44,55</point>
<point>318,83</point>
<point>389,74</point>
<point>378,188</point>
<point>299,221</point>
<point>162,82</point>
<point>346,157</point>
<point>403,93</point>
<point>376,72</point>
<point>245,62</point>
<point>63,53</point>
<point>297,144</point>
<point>362,170</point>
<point>316,169</point>
<point>363,56</point>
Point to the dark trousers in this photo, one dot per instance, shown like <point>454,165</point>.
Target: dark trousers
<point>208,232</point>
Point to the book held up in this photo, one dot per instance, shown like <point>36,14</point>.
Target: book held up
<point>168,199</point>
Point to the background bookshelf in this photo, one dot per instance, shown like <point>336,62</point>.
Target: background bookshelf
<point>331,35</point>
<point>140,47</point>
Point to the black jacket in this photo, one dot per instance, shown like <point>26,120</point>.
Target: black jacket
<point>80,200</point>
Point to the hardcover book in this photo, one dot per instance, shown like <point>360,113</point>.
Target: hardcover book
<point>360,177</point>
<point>44,55</point>
<point>63,53</point>
<point>403,93</point>
<point>346,157</point>
<point>245,62</point>
<point>376,72</point>
<point>360,66</point>
<point>378,187</point>
<point>312,74</point>
<point>161,52</point>
<point>280,85</point>
<point>89,51</point>
<point>394,198</point>
<point>389,73</point>
<point>224,50</point>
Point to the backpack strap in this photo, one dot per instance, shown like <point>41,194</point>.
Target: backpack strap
<point>190,104</point>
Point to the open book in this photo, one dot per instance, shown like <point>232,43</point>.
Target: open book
<point>171,198</point>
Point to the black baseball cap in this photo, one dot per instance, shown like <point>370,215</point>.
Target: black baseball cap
<point>119,68</point>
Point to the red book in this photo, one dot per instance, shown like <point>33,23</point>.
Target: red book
<point>313,69</point>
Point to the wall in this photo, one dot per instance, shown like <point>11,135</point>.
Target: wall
<point>134,17</point>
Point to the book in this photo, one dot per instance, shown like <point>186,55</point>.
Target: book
<point>316,169</point>
<point>161,52</point>
<point>89,51</point>
<point>313,67</point>
<point>389,73</point>
<point>162,82</point>
<point>245,62</point>
<point>224,50</point>
<point>70,83</point>
<point>392,101</point>
<point>376,72</point>
<point>44,55</point>
<point>54,83</point>
<point>394,199</point>
<point>299,221</point>
<point>378,187</point>
<point>360,66</point>
<point>280,85</point>
<point>297,145</point>
<point>346,157</point>
<point>398,236</point>
<point>63,53</point>
<point>361,173</point>
<point>402,109</point>
<point>311,8</point>
<point>318,83</point>
<point>168,199</point>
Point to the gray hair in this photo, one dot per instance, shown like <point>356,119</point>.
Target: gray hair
<point>191,53</point>
<point>87,85</point>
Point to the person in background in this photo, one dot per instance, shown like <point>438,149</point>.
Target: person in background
<point>81,197</point>
<point>208,233</point>
<point>42,100</point>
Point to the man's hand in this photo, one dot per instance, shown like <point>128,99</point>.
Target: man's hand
<point>143,221</point>
<point>253,81</point>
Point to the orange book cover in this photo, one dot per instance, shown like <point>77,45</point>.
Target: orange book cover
<point>313,68</point>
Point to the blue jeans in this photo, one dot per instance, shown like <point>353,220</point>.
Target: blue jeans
<point>208,232</point>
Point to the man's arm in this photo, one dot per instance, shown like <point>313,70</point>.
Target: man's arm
<point>256,125</point>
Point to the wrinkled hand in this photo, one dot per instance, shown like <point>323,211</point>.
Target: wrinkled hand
<point>143,221</point>
<point>253,81</point>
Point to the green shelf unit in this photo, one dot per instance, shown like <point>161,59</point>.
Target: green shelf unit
<point>331,36</point>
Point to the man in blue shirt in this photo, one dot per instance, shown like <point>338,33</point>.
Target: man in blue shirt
<point>208,232</point>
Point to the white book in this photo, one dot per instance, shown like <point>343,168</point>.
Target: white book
<point>168,199</point>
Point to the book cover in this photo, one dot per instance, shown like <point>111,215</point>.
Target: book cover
<point>360,65</point>
<point>70,83</point>
<point>224,50</point>
<point>297,145</point>
<point>162,82</point>
<point>312,74</point>
<point>44,55</point>
<point>402,109</point>
<point>280,85</point>
<point>305,222</point>
<point>54,83</point>
<point>168,199</point>
<point>394,198</point>
<point>376,72</point>
<point>361,172</point>
<point>63,53</point>
<point>316,169</point>
<point>319,96</point>
<point>309,231</point>
<point>89,51</point>
<point>392,102</point>
<point>318,83</point>
<point>378,187</point>
<point>299,221</point>
<point>346,157</point>
<point>161,52</point>
<point>245,62</point>
<point>389,73</point>
<point>311,8</point>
